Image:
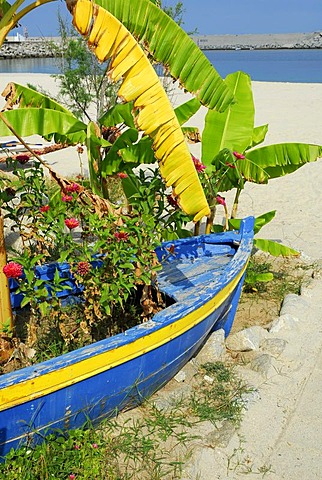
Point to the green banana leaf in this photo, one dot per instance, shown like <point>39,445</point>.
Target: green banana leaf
<point>31,98</point>
<point>259,134</point>
<point>185,111</point>
<point>120,113</point>
<point>94,158</point>
<point>171,46</point>
<point>273,161</point>
<point>44,122</point>
<point>138,153</point>
<point>260,221</point>
<point>232,129</point>
<point>113,162</point>
<point>274,248</point>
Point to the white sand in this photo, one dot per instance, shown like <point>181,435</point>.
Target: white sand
<point>294,114</point>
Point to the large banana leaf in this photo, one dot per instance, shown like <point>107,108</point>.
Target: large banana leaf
<point>274,248</point>
<point>232,129</point>
<point>44,122</point>
<point>41,115</point>
<point>140,85</point>
<point>171,46</point>
<point>273,161</point>
<point>21,96</point>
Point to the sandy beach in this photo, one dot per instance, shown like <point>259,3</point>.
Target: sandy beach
<point>294,114</point>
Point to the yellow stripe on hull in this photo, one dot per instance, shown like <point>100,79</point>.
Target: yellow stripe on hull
<point>34,388</point>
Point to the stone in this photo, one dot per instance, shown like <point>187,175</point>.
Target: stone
<point>262,364</point>
<point>273,346</point>
<point>284,322</point>
<point>247,339</point>
<point>292,303</point>
<point>180,376</point>
<point>220,437</point>
<point>214,349</point>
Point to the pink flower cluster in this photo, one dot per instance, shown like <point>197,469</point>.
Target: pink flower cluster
<point>172,201</point>
<point>220,200</point>
<point>13,270</point>
<point>73,187</point>
<point>239,156</point>
<point>66,198</point>
<point>200,167</point>
<point>71,223</point>
<point>83,268</point>
<point>44,208</point>
<point>121,236</point>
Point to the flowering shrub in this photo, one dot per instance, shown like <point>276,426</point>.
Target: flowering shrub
<point>111,260</point>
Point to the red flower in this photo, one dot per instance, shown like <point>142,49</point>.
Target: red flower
<point>72,476</point>
<point>71,223</point>
<point>230,165</point>
<point>200,167</point>
<point>122,175</point>
<point>239,156</point>
<point>83,268</point>
<point>74,187</point>
<point>121,236</point>
<point>172,201</point>
<point>221,200</point>
<point>44,208</point>
<point>23,158</point>
<point>94,445</point>
<point>13,270</point>
<point>66,198</point>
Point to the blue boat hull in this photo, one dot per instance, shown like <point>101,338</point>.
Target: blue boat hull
<point>95,382</point>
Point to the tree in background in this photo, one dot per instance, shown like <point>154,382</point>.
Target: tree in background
<point>84,86</point>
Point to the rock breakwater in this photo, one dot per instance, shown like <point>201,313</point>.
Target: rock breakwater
<point>259,41</point>
<point>29,48</point>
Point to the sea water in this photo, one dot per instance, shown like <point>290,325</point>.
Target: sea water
<point>300,66</point>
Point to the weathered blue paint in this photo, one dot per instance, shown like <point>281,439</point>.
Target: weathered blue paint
<point>195,271</point>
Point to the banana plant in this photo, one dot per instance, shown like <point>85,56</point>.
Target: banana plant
<point>232,154</point>
<point>31,112</point>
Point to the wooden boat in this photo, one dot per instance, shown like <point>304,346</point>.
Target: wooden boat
<point>203,277</point>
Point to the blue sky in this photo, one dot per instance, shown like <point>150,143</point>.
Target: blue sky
<point>213,16</point>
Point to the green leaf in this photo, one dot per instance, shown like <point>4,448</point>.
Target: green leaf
<point>232,129</point>
<point>263,220</point>
<point>138,153</point>
<point>253,277</point>
<point>27,97</point>
<point>274,248</point>
<point>274,161</point>
<point>112,161</point>
<point>94,157</point>
<point>259,134</point>
<point>41,121</point>
<point>120,113</point>
<point>185,111</point>
<point>171,46</point>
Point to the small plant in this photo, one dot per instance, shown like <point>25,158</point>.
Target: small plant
<point>219,396</point>
<point>111,262</point>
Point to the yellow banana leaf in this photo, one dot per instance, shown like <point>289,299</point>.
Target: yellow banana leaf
<point>109,39</point>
